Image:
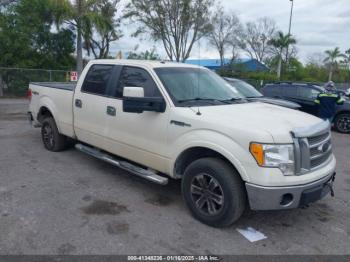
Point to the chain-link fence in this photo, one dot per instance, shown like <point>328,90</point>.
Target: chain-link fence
<point>15,81</point>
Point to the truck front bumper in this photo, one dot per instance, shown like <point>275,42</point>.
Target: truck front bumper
<point>272,198</point>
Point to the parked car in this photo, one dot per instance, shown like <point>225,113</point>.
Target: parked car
<point>251,94</point>
<point>305,95</point>
<point>163,120</point>
<point>337,91</point>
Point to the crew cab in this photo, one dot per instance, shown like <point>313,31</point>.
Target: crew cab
<point>305,94</point>
<point>162,120</point>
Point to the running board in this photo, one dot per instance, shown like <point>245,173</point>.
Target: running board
<point>141,172</point>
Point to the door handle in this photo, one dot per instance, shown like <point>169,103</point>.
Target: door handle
<point>78,103</point>
<point>111,111</point>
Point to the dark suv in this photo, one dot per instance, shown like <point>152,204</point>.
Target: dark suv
<point>305,95</point>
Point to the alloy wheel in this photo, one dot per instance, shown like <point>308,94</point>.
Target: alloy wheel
<point>343,124</point>
<point>207,194</point>
<point>48,136</point>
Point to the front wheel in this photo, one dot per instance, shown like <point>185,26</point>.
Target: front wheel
<point>342,123</point>
<point>214,192</point>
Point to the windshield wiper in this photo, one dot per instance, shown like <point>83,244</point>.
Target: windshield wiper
<point>234,99</point>
<point>200,99</point>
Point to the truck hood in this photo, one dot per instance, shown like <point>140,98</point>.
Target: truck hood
<point>277,121</point>
<point>275,101</point>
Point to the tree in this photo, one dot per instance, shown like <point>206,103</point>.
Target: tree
<point>103,32</point>
<point>256,36</point>
<point>331,59</point>
<point>147,55</point>
<point>225,32</point>
<point>178,24</point>
<point>28,41</point>
<point>27,38</point>
<point>316,59</point>
<point>347,58</point>
<point>82,15</point>
<point>280,42</point>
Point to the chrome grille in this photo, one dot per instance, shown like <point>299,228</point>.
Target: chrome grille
<point>314,163</point>
<point>313,147</point>
<point>316,139</point>
<point>320,149</point>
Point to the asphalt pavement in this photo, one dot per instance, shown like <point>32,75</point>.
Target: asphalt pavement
<point>71,203</point>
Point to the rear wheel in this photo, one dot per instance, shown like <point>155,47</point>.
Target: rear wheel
<point>214,192</point>
<point>52,139</point>
<point>342,123</point>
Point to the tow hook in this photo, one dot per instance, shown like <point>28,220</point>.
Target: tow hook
<point>331,188</point>
<point>331,184</point>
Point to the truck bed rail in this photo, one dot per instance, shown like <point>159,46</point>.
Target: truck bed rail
<point>58,85</point>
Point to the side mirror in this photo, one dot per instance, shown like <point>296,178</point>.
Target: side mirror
<point>133,91</point>
<point>135,102</point>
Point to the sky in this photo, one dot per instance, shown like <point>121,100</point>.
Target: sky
<point>317,25</point>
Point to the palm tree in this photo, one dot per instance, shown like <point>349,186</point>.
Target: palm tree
<point>98,37</point>
<point>81,14</point>
<point>347,58</point>
<point>332,60</point>
<point>280,42</point>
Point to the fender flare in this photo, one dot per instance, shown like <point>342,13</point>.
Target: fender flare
<point>220,143</point>
<point>48,103</point>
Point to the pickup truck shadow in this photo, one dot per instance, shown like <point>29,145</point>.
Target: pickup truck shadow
<point>156,195</point>
<point>169,196</point>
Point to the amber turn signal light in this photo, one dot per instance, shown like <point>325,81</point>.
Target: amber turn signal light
<point>258,153</point>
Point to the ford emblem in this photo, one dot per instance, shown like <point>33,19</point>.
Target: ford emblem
<point>324,147</point>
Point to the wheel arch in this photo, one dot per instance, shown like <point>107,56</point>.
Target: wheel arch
<point>47,108</point>
<point>44,112</point>
<point>187,156</point>
<point>342,112</point>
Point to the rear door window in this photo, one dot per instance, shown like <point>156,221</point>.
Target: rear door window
<point>272,91</point>
<point>307,93</point>
<point>289,91</point>
<point>97,79</point>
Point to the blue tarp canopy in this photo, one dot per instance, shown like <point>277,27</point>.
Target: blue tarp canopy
<point>245,64</point>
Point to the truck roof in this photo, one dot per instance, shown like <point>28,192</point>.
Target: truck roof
<point>148,63</point>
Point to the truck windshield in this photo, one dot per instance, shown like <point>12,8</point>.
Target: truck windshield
<point>196,86</point>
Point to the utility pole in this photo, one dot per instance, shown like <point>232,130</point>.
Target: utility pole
<point>290,27</point>
<point>291,15</point>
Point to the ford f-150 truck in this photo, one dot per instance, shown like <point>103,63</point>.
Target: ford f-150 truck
<point>162,120</point>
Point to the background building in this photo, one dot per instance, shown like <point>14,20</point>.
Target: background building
<point>244,64</point>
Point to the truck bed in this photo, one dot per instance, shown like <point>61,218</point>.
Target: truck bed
<point>57,97</point>
<point>59,85</point>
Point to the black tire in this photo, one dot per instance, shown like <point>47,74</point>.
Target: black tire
<point>229,207</point>
<point>342,123</point>
<point>52,139</point>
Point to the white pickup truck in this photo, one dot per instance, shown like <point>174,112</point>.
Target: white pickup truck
<point>163,120</point>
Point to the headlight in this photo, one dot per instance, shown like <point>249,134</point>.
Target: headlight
<point>279,156</point>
